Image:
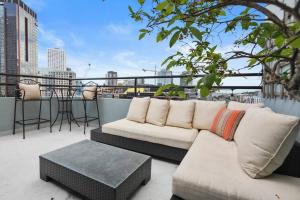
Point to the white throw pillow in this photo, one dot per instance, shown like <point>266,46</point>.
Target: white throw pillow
<point>158,112</point>
<point>30,92</point>
<point>138,109</point>
<point>181,114</point>
<point>234,105</point>
<point>89,92</point>
<point>264,139</point>
<point>205,112</point>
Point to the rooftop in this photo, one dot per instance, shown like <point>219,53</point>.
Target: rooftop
<point>20,167</point>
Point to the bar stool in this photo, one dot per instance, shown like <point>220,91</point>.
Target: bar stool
<point>88,94</point>
<point>28,90</point>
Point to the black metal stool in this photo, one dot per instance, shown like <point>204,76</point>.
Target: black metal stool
<point>28,90</point>
<point>88,94</point>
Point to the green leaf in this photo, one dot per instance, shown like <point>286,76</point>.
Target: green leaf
<point>198,34</point>
<point>162,5</point>
<point>159,36</point>
<point>141,2</point>
<point>169,9</point>
<point>279,41</point>
<point>222,13</point>
<point>252,61</point>
<point>286,52</point>
<point>245,23</point>
<point>166,60</point>
<point>204,91</point>
<point>295,43</point>
<point>131,10</point>
<point>245,11</point>
<point>174,38</point>
<point>172,20</point>
<point>142,35</point>
<point>231,25</point>
<point>171,64</point>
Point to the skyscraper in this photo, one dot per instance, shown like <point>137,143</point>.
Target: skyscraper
<point>18,41</point>
<point>164,81</point>
<point>111,82</point>
<point>183,81</point>
<point>57,59</point>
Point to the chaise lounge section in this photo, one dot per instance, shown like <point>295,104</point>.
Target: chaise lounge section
<point>212,167</point>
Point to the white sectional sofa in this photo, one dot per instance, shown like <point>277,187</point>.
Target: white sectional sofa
<point>248,167</point>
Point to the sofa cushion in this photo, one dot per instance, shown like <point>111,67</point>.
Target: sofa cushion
<point>234,105</point>
<point>226,122</point>
<point>264,139</point>
<point>211,171</point>
<point>205,111</point>
<point>181,114</point>
<point>138,109</point>
<point>30,92</point>
<point>157,112</point>
<point>89,92</point>
<point>166,135</point>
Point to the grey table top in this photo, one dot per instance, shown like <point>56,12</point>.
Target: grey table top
<point>103,163</point>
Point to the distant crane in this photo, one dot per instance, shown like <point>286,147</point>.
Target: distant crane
<point>151,70</point>
<point>87,71</point>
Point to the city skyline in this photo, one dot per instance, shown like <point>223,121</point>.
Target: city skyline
<point>91,34</point>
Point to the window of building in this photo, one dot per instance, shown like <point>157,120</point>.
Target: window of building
<point>26,39</point>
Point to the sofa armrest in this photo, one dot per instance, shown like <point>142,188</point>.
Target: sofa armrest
<point>291,165</point>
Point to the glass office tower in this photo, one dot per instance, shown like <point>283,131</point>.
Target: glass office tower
<point>2,48</point>
<point>18,36</point>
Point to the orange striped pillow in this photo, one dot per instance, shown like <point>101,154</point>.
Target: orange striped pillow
<point>226,122</point>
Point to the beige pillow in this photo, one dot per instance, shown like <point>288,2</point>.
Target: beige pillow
<point>89,92</point>
<point>157,112</point>
<point>30,92</point>
<point>138,109</point>
<point>181,114</point>
<point>234,105</point>
<point>205,112</point>
<point>264,139</point>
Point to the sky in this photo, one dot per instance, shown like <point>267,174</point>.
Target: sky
<point>101,33</point>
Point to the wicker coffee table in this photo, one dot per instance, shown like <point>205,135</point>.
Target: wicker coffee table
<point>96,170</point>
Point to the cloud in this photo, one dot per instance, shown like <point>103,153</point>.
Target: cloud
<point>130,60</point>
<point>49,38</point>
<point>123,29</point>
<point>75,40</point>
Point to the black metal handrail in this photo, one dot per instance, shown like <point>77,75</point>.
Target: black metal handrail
<point>135,78</point>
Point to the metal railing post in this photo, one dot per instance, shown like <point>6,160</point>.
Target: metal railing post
<point>70,84</point>
<point>135,87</point>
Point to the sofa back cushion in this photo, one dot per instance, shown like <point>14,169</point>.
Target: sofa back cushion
<point>234,105</point>
<point>181,114</point>
<point>226,122</point>
<point>205,111</point>
<point>138,109</point>
<point>264,139</point>
<point>30,92</point>
<point>158,112</point>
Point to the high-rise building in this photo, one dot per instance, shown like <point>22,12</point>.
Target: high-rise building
<point>164,81</point>
<point>57,59</point>
<point>18,41</point>
<point>183,81</point>
<point>111,82</point>
<point>66,74</point>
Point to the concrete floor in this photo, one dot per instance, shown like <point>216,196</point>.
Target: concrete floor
<point>19,168</point>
